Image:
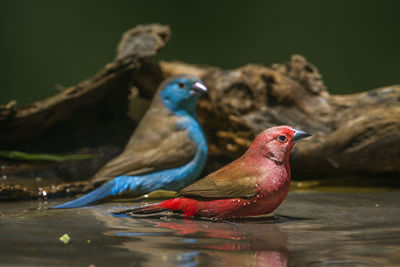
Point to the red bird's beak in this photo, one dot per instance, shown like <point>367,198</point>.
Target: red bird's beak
<point>299,135</point>
<point>199,88</point>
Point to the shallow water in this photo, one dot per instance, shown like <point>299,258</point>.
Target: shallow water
<point>308,229</point>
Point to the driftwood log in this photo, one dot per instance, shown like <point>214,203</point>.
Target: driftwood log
<point>355,134</point>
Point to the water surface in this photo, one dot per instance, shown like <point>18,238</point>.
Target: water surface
<point>308,229</point>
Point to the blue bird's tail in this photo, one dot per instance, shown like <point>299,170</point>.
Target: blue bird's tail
<point>103,191</point>
<point>135,185</point>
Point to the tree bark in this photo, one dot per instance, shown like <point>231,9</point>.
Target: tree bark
<point>352,134</point>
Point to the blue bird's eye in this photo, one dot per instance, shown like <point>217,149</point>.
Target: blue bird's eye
<point>181,85</point>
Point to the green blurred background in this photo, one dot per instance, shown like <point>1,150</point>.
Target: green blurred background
<point>44,44</point>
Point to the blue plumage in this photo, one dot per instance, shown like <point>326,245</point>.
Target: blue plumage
<point>167,151</point>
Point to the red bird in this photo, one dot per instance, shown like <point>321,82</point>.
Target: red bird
<point>254,184</point>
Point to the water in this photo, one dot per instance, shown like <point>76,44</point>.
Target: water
<point>308,229</point>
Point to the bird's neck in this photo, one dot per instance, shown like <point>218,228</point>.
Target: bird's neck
<point>186,108</point>
<point>187,120</point>
<point>277,176</point>
<point>273,174</point>
<point>188,112</point>
<point>193,128</point>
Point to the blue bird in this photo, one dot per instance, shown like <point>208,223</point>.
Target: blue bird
<point>167,151</point>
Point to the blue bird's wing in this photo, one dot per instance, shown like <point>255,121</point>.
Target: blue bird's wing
<point>157,144</point>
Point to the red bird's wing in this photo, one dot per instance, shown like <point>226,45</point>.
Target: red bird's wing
<point>232,181</point>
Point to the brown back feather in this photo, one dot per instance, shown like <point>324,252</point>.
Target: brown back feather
<point>231,181</point>
<point>155,145</point>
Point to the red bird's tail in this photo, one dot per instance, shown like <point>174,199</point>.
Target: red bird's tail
<point>143,211</point>
<point>185,206</point>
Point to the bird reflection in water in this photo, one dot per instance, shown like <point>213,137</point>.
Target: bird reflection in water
<point>256,242</point>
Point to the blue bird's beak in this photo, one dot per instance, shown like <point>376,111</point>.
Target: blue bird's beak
<point>199,88</point>
<point>299,135</point>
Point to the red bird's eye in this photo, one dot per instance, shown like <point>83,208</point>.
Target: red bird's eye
<point>282,138</point>
<point>181,85</point>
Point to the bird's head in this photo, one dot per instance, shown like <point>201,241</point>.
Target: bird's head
<point>276,143</point>
<point>181,93</point>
